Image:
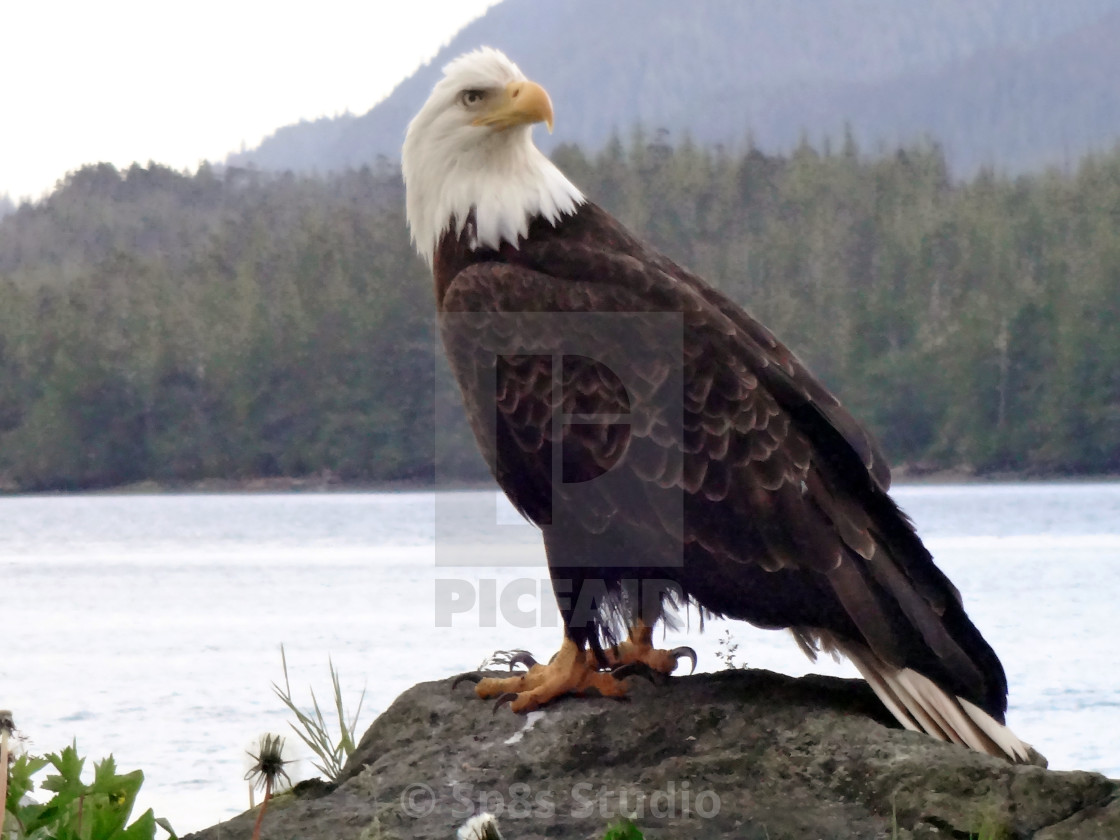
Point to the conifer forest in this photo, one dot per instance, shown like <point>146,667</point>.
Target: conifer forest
<point>236,324</point>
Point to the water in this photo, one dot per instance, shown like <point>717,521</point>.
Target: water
<point>149,626</point>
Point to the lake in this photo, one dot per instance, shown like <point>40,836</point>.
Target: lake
<point>150,627</point>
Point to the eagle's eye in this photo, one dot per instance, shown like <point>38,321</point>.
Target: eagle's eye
<point>472,97</point>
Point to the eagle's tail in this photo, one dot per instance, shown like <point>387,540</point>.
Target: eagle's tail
<point>921,705</point>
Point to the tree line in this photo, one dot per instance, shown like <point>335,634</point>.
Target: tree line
<point>174,327</point>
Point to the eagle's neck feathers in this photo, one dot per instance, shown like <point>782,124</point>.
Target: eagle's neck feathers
<point>501,183</point>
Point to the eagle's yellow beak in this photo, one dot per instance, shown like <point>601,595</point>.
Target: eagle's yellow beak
<point>521,103</point>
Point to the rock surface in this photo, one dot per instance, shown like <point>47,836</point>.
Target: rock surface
<point>737,754</point>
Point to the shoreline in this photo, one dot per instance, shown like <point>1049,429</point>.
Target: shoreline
<point>902,476</point>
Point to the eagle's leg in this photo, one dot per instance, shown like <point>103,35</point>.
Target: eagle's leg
<point>571,671</point>
<point>638,649</point>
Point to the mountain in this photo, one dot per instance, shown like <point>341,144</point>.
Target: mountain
<point>1016,84</point>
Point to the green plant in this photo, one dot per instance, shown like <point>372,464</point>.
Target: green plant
<point>727,647</point>
<point>991,828</point>
<point>623,830</point>
<point>98,810</point>
<point>312,728</point>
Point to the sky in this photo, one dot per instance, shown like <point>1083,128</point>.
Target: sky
<point>182,82</point>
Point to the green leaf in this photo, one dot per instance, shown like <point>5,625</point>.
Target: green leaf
<point>19,780</point>
<point>104,776</point>
<point>143,829</point>
<point>69,765</point>
<point>97,811</point>
<point>111,799</point>
<point>68,791</point>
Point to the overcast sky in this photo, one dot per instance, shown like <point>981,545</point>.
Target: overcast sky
<point>182,82</point>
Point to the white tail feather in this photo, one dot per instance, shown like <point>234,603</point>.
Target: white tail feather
<point>919,704</point>
<point>1004,738</point>
<point>886,694</point>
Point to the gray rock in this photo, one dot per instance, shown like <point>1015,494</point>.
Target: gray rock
<point>737,754</point>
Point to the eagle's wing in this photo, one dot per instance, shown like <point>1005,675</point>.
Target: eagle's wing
<point>798,390</point>
<point>794,529</point>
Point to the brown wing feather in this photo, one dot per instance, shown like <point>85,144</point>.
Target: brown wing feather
<point>731,446</point>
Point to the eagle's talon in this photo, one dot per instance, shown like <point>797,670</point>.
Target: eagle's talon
<point>469,676</point>
<point>638,648</point>
<point>522,657</point>
<point>680,653</point>
<point>567,673</point>
<point>634,669</point>
<point>507,659</point>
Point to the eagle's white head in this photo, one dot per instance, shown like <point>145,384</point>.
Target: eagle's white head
<point>470,147</point>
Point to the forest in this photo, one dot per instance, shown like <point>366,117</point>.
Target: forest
<point>233,324</point>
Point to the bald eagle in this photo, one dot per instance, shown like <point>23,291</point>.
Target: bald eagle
<point>671,450</point>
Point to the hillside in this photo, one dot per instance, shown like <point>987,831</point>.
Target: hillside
<point>1014,83</point>
<point>242,325</point>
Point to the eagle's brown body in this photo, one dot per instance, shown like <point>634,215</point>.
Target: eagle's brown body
<point>751,488</point>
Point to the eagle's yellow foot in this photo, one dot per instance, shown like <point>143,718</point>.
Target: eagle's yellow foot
<point>569,672</point>
<point>638,650</point>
